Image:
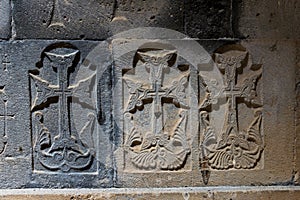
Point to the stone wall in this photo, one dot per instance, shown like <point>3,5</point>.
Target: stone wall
<point>148,93</point>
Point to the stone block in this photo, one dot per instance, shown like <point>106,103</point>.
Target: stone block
<point>206,19</point>
<point>62,19</point>
<point>158,13</point>
<point>59,19</point>
<point>231,101</point>
<point>5,19</point>
<point>266,19</point>
<point>50,115</point>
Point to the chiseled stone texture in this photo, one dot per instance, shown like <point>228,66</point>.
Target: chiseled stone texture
<point>276,60</point>
<point>267,19</point>
<point>65,19</point>
<point>5,19</point>
<point>28,66</point>
<point>62,19</point>
<point>45,142</point>
<point>140,13</point>
<point>208,19</point>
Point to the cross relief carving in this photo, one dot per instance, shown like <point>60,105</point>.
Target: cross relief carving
<point>5,115</point>
<point>157,148</point>
<point>64,150</point>
<point>232,147</point>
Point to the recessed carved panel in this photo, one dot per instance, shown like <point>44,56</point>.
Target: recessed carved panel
<point>5,115</point>
<point>156,109</point>
<point>238,143</point>
<point>63,113</point>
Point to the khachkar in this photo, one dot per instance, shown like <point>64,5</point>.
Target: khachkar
<point>63,114</point>
<point>155,112</point>
<point>233,147</point>
<point>4,115</point>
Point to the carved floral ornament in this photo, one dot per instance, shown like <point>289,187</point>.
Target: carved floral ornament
<point>156,113</point>
<point>65,148</point>
<point>232,147</point>
<point>159,91</point>
<point>152,144</point>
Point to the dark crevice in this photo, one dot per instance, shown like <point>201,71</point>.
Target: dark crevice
<point>115,7</point>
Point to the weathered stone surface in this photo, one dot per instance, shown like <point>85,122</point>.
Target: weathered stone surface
<point>238,107</point>
<point>49,114</point>
<point>158,13</point>
<point>5,19</point>
<point>208,193</point>
<point>93,19</point>
<point>267,19</point>
<point>62,19</point>
<point>208,19</point>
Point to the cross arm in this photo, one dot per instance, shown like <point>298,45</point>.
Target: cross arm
<point>137,94</point>
<point>177,92</point>
<point>44,90</point>
<point>83,90</point>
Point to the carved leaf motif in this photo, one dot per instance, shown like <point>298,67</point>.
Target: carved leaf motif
<point>243,143</point>
<point>83,90</point>
<point>144,160</point>
<point>155,58</point>
<point>148,141</point>
<point>221,159</point>
<point>136,94</point>
<point>45,139</point>
<point>86,133</point>
<point>170,160</point>
<point>248,91</point>
<point>58,59</point>
<point>134,139</point>
<point>247,159</point>
<point>178,93</point>
<point>2,145</point>
<point>159,151</point>
<point>254,131</point>
<point>44,90</point>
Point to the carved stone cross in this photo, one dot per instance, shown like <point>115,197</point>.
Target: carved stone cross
<point>232,147</point>
<point>229,65</point>
<point>156,63</point>
<point>158,148</point>
<point>4,116</point>
<point>62,90</point>
<point>67,146</point>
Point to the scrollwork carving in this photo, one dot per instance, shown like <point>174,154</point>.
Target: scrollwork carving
<point>67,148</point>
<point>160,147</point>
<point>232,148</point>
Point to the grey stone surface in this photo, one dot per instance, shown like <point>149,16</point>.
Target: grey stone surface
<point>92,19</point>
<point>51,135</point>
<point>62,19</point>
<point>258,144</point>
<point>36,151</point>
<point>266,19</point>
<point>156,13</point>
<point>5,19</point>
<point>85,105</point>
<point>208,19</point>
